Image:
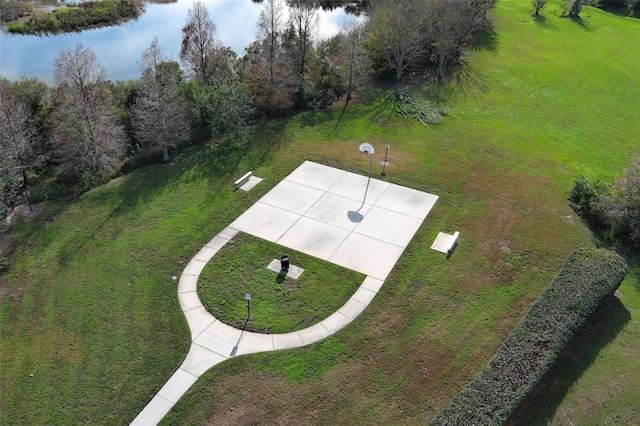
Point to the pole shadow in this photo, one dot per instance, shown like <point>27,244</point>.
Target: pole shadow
<point>581,22</point>
<point>543,22</point>
<point>354,216</point>
<point>234,351</point>
<point>344,108</point>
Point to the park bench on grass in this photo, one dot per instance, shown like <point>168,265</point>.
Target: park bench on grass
<point>242,180</point>
<point>445,243</point>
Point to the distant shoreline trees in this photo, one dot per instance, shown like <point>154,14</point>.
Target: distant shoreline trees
<point>81,130</point>
<point>72,17</point>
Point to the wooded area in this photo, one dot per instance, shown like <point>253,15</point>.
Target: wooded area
<point>61,140</point>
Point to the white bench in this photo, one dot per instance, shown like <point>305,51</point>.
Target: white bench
<point>242,180</point>
<point>445,243</point>
<point>453,240</point>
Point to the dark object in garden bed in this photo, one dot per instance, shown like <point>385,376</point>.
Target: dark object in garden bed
<point>587,280</point>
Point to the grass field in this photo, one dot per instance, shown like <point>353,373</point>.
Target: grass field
<point>279,304</point>
<point>89,307</point>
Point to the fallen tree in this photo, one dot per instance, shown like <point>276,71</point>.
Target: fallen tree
<point>422,111</point>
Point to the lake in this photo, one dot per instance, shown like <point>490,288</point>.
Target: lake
<point>119,48</point>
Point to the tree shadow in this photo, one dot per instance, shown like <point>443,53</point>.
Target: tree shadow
<point>192,164</point>
<point>344,108</point>
<point>219,167</point>
<point>386,108</point>
<point>600,330</point>
<point>617,9</point>
<point>543,22</point>
<point>313,118</point>
<point>486,40</point>
<point>268,136</point>
<point>581,22</point>
<point>15,235</point>
<point>463,80</point>
<point>634,269</point>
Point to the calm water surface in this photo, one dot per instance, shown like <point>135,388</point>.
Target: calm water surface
<point>120,48</point>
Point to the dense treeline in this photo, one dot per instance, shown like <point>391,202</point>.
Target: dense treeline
<point>572,8</point>
<point>65,139</point>
<point>76,17</point>
<point>587,280</point>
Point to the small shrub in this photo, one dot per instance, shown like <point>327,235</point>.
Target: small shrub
<point>571,8</point>
<point>50,188</point>
<point>13,10</point>
<point>9,182</point>
<point>587,279</point>
<point>584,194</point>
<point>4,263</point>
<point>613,210</point>
<point>634,7</point>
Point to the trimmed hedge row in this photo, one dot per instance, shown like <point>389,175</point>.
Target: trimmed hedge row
<point>587,279</point>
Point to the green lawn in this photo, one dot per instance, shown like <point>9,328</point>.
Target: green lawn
<point>89,307</point>
<point>279,304</point>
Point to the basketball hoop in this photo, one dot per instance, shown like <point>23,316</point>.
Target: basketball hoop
<point>366,148</point>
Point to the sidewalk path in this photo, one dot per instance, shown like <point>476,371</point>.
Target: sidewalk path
<point>351,220</point>
<point>213,342</point>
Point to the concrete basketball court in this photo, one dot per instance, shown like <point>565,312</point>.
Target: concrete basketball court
<point>318,210</point>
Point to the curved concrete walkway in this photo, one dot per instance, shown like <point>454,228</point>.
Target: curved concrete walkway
<point>213,341</point>
<point>317,210</point>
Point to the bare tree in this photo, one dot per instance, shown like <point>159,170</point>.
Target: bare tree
<point>394,32</point>
<point>447,26</point>
<point>88,138</point>
<point>198,43</point>
<point>34,95</point>
<point>270,28</point>
<point>17,133</point>
<point>299,39</point>
<point>478,10</point>
<point>203,55</point>
<point>303,20</point>
<point>355,60</point>
<point>15,146</point>
<point>451,24</point>
<point>9,181</point>
<point>271,77</point>
<point>538,5</point>
<point>571,8</point>
<point>160,118</point>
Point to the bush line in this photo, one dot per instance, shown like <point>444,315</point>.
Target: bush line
<point>587,280</point>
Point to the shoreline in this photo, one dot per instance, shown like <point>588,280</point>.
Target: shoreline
<point>45,19</point>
